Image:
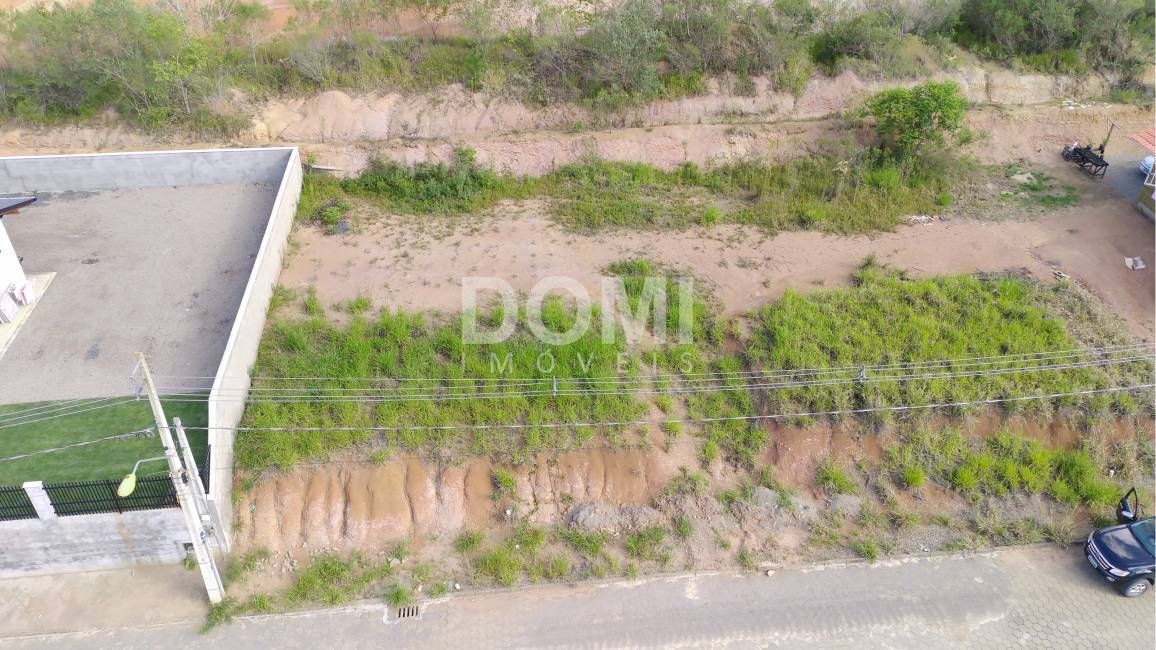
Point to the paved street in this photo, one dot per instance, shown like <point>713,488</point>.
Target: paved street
<point>1033,597</point>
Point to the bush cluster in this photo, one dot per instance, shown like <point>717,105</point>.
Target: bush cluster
<point>160,69</point>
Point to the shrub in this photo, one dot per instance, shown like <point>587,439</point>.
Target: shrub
<point>908,119</point>
<point>461,186</point>
<point>869,36</point>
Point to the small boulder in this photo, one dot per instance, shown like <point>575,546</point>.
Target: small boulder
<point>593,517</point>
<point>847,505</point>
<point>634,518</point>
<point>766,498</point>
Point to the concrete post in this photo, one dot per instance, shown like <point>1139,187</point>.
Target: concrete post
<point>39,498</point>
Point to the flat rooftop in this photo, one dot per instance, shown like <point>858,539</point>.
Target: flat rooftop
<point>152,256</point>
<point>153,270</point>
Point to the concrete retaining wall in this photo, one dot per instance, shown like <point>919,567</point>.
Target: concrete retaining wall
<point>91,542</point>
<point>111,171</point>
<point>231,385</point>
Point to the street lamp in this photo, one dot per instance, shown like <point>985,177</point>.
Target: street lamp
<point>128,483</point>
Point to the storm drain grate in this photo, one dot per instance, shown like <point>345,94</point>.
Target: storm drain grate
<point>408,611</point>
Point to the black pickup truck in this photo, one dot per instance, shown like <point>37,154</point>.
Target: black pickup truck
<point>1125,554</point>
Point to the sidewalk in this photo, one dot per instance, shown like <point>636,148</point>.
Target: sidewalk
<point>1038,596</point>
<point>79,602</point>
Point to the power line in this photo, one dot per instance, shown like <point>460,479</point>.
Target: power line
<point>130,434</point>
<point>566,425</point>
<point>67,414</point>
<point>618,424</point>
<point>802,372</point>
<point>455,394</point>
<point>50,407</point>
<point>957,362</point>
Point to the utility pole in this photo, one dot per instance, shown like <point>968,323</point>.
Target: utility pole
<point>208,568</point>
<point>193,477</point>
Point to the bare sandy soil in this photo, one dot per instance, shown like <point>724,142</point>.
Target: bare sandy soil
<point>399,263</point>
<point>1022,116</point>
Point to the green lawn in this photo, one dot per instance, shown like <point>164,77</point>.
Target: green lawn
<point>108,459</point>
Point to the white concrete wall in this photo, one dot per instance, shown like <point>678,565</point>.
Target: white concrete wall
<point>91,542</point>
<point>11,273</point>
<point>111,171</point>
<point>231,385</point>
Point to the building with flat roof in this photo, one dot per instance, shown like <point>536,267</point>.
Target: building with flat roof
<point>171,253</point>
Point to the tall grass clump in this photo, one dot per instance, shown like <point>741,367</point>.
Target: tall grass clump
<point>838,189</point>
<point>331,580</point>
<point>461,186</point>
<point>1003,464</point>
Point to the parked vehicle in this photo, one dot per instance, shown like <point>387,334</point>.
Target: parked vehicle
<point>1125,554</point>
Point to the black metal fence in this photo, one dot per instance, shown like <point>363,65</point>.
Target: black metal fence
<point>14,504</point>
<point>203,468</point>
<point>92,497</point>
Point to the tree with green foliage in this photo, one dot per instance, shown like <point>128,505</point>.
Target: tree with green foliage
<point>910,118</point>
<point>1069,36</point>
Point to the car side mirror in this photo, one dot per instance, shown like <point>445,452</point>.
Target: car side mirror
<point>1126,510</point>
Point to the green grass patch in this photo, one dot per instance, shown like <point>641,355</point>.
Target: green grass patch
<point>839,189</point>
<point>833,479</point>
<point>1004,464</point>
<point>890,319</point>
<point>332,580</point>
<point>467,542</point>
<point>401,345</point>
<point>111,459</point>
<point>648,544</point>
<point>502,565</point>
<point>240,565</point>
<point>590,545</point>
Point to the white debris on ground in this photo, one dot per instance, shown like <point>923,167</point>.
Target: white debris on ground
<point>1134,263</point>
<point>921,219</point>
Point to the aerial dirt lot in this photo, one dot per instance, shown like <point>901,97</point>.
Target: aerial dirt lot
<point>398,263</point>
<point>350,503</point>
<point>416,263</point>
